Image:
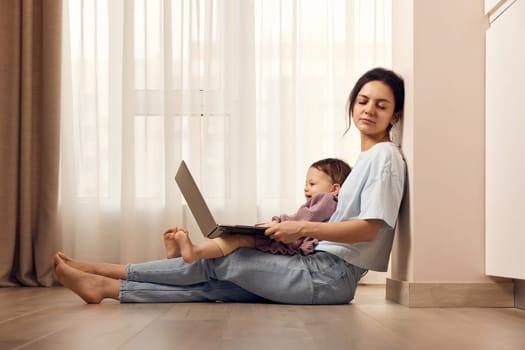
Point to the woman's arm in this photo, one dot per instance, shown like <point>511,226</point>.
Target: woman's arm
<point>352,231</point>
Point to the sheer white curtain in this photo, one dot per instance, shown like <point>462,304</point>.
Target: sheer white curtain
<point>308,56</point>
<point>248,92</point>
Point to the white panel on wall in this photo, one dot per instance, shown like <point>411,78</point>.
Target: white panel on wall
<point>490,5</point>
<point>505,144</point>
<point>494,8</point>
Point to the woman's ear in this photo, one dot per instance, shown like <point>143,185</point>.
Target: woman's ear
<point>396,117</point>
<point>335,189</point>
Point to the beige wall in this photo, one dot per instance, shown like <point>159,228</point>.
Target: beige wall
<point>439,49</point>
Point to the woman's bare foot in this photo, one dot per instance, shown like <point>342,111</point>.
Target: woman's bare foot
<point>171,245</point>
<point>186,247</point>
<point>115,271</point>
<point>91,288</point>
<point>77,264</point>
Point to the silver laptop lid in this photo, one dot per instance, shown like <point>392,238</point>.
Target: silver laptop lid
<point>198,207</point>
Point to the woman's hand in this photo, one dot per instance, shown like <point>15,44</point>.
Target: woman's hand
<point>285,232</point>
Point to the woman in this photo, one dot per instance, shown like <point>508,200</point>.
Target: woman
<point>357,238</point>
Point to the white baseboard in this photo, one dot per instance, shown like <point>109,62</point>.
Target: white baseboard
<point>415,294</point>
<point>519,294</point>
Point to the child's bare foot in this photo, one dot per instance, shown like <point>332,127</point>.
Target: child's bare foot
<point>90,288</point>
<point>171,245</point>
<point>186,247</point>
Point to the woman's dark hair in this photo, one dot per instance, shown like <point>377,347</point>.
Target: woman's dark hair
<point>337,169</point>
<point>386,76</point>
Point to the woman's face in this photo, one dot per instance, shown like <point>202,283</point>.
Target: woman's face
<point>373,110</point>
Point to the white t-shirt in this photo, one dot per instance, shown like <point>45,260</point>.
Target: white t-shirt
<point>373,190</point>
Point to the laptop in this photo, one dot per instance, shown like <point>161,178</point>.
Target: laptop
<point>200,210</point>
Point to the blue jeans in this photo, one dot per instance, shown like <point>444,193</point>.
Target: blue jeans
<point>246,275</point>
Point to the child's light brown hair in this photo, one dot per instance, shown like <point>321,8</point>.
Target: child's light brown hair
<point>337,169</point>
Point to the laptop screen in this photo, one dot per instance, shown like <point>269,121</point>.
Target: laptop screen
<point>193,196</point>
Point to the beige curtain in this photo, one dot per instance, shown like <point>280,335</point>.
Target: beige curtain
<point>30,39</point>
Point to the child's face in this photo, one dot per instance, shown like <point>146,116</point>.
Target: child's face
<point>317,182</point>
